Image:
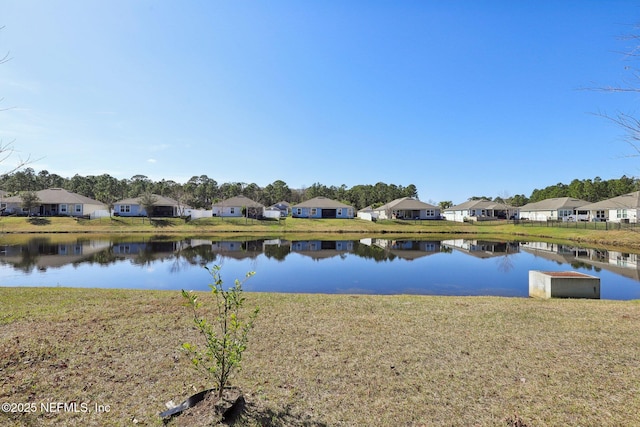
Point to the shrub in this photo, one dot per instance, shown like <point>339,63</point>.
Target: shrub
<point>226,335</point>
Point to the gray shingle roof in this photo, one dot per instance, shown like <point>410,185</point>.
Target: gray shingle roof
<point>160,201</point>
<point>406,203</point>
<point>238,201</point>
<point>479,204</point>
<point>626,201</point>
<point>554,204</point>
<point>57,196</point>
<point>322,203</point>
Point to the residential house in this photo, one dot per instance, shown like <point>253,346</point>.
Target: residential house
<point>235,206</point>
<point>479,210</point>
<point>277,211</point>
<point>162,207</point>
<point>555,209</point>
<point>56,201</point>
<point>321,207</point>
<point>283,207</point>
<point>407,208</point>
<point>625,208</point>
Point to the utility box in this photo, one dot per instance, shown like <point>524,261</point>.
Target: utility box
<point>563,284</point>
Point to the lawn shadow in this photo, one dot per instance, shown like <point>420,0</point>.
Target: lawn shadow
<point>161,223</point>
<point>268,417</point>
<point>39,221</point>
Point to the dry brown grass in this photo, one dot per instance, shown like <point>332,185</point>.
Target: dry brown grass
<point>329,359</point>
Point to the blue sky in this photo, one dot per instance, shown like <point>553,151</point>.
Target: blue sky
<point>460,98</point>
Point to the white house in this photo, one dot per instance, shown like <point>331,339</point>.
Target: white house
<point>162,207</point>
<point>407,208</point>
<point>625,208</point>
<point>234,207</point>
<point>555,209</point>
<point>479,210</point>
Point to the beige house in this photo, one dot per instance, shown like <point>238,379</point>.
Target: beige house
<point>56,201</point>
<point>555,209</point>
<point>625,208</point>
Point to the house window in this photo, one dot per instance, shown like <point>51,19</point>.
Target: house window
<point>621,213</point>
<point>431,212</point>
<point>78,208</point>
<point>63,209</point>
<point>125,208</point>
<point>314,211</point>
<point>564,212</point>
<point>232,211</point>
<point>298,211</point>
<point>339,212</point>
<point>600,215</point>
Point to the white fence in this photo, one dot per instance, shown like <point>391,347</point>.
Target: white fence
<point>198,213</point>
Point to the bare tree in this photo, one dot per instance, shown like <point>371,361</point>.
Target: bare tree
<point>6,148</point>
<point>631,84</point>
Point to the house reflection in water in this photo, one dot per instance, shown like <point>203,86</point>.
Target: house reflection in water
<point>482,248</point>
<point>321,249</point>
<point>622,263</point>
<point>405,249</point>
<point>237,249</point>
<point>40,253</point>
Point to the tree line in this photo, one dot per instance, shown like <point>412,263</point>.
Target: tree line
<point>591,190</point>
<point>200,191</point>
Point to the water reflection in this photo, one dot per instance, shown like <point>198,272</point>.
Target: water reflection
<point>450,266</point>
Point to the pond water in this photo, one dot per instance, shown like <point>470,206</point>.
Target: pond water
<point>368,266</point>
